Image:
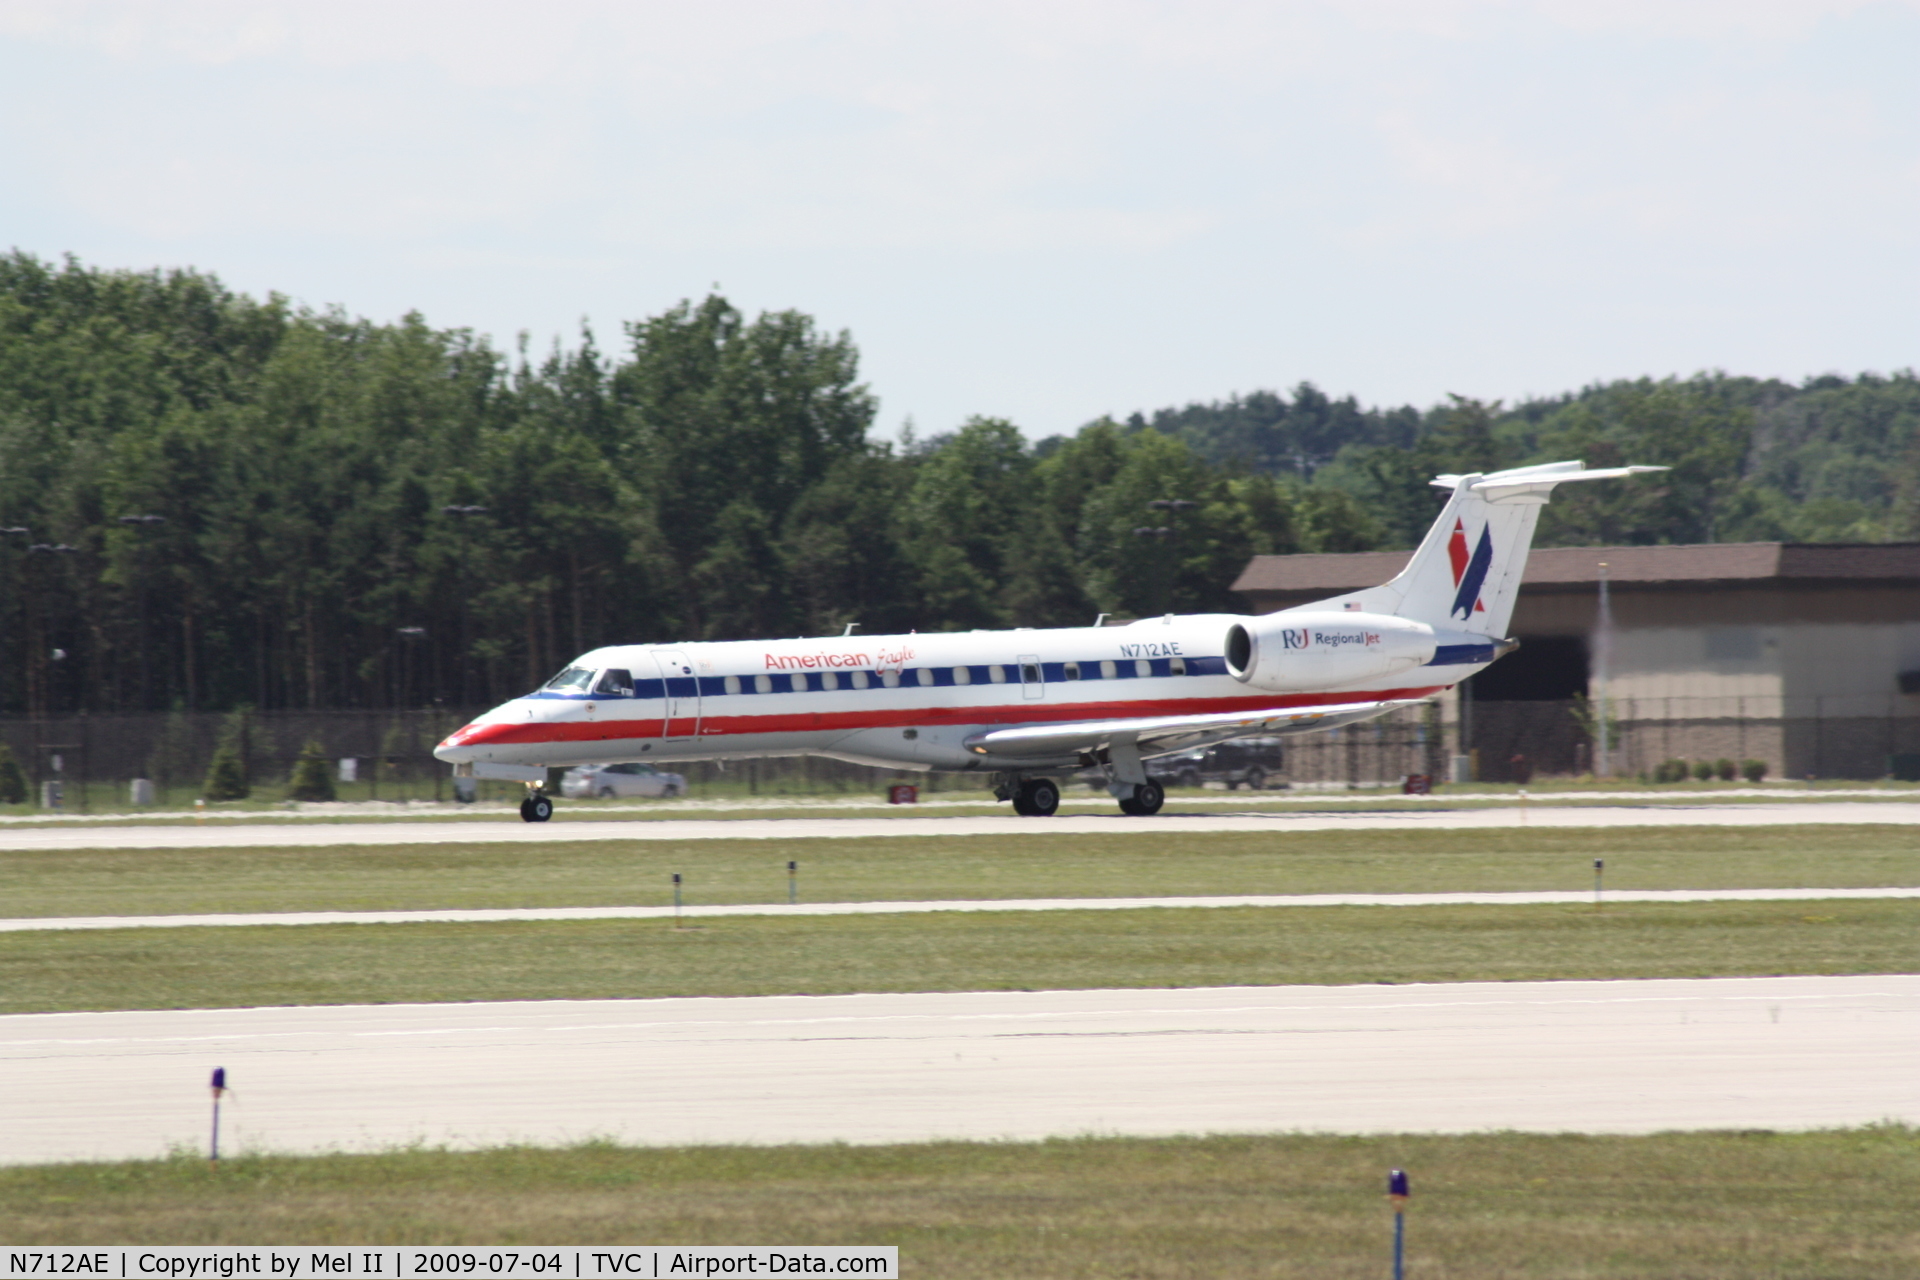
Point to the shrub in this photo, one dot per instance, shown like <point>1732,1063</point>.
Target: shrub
<point>1703,770</point>
<point>225,779</point>
<point>1753,770</point>
<point>1725,769</point>
<point>312,778</point>
<point>13,784</point>
<point>1670,771</point>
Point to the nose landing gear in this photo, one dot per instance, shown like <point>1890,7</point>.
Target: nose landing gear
<point>537,807</point>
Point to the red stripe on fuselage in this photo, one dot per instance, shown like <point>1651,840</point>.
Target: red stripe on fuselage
<point>712,726</point>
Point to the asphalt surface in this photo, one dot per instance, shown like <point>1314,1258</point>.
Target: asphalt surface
<point>43,924</point>
<point>512,831</point>
<point>1589,1056</point>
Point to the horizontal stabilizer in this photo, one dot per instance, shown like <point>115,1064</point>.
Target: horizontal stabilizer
<point>1536,482</point>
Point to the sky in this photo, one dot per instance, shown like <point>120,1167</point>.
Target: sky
<point>1045,210</point>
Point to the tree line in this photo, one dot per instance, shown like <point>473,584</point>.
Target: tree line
<point>210,501</point>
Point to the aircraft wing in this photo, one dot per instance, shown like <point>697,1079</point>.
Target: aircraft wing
<point>1161,735</point>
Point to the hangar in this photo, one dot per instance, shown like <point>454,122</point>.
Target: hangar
<point>1804,656</point>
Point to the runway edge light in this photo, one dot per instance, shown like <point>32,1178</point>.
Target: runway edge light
<point>1397,1191</point>
<point>219,1087</point>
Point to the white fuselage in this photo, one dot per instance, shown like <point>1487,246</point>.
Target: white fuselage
<point>908,702</point>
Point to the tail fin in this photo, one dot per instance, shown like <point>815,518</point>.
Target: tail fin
<point>1466,574</point>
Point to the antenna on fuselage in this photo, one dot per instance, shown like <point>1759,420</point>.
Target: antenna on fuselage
<point>850,627</point>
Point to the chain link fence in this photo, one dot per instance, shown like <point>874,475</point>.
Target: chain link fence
<point>387,755</point>
<point>371,756</point>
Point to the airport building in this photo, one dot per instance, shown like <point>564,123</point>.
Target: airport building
<point>1806,657</point>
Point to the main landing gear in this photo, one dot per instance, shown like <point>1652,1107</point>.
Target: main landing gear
<point>1040,797</point>
<point>1036,797</point>
<point>1146,800</point>
<point>537,807</point>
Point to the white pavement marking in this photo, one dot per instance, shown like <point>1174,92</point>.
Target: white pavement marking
<point>1620,1057</point>
<point>513,832</point>
<point>38,924</point>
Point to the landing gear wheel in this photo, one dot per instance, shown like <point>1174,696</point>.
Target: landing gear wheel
<point>536,808</point>
<point>1145,800</point>
<point>1037,798</point>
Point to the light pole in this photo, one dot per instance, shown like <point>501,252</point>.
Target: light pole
<point>407,636</point>
<point>9,533</point>
<point>55,550</point>
<point>1163,587</point>
<point>463,513</point>
<point>142,523</point>
<point>1602,671</point>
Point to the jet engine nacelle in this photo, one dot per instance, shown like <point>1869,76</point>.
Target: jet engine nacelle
<point>1285,652</point>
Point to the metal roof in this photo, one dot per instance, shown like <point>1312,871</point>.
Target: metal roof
<point>1746,563</point>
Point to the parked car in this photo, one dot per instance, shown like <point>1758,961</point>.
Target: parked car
<point>1238,762</point>
<point>607,781</point>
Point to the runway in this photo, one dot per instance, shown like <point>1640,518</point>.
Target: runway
<point>1593,1056</point>
<point>512,831</point>
<point>61,924</point>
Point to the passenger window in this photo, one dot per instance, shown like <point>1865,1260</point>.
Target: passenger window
<point>615,682</point>
<point>891,679</point>
<point>763,684</point>
<point>831,680</point>
<point>1142,668</point>
<point>798,682</point>
<point>1072,671</point>
<point>859,679</point>
<point>997,674</point>
<point>963,675</point>
<point>733,684</point>
<point>1178,666</point>
<point>926,675</point>
<point>1030,673</point>
<point>1108,671</point>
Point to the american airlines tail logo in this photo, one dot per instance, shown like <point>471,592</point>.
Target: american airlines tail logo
<point>1469,573</point>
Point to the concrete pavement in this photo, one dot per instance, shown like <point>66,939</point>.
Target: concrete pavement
<point>1592,1056</point>
<point>510,831</point>
<point>39,924</point>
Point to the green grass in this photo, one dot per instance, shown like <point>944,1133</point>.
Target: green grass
<point>600,873</point>
<point>1705,1206</point>
<point>992,951</point>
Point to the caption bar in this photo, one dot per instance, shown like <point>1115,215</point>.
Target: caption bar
<point>546,1262</point>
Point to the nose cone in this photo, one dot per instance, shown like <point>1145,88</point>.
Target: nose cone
<point>461,746</point>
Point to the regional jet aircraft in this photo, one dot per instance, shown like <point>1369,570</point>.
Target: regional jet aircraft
<point>1026,704</point>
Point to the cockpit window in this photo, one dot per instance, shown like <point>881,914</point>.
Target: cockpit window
<point>572,680</point>
<point>615,683</point>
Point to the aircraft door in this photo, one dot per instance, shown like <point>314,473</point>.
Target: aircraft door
<point>1033,684</point>
<point>681,710</point>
